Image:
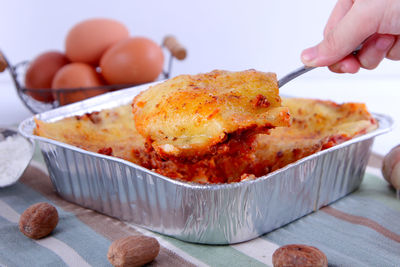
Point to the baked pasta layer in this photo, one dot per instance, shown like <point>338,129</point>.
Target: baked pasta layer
<point>316,125</point>
<point>190,117</point>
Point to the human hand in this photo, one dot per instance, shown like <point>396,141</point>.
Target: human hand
<point>373,23</point>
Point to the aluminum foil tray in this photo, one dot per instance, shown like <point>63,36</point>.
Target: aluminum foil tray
<point>211,214</point>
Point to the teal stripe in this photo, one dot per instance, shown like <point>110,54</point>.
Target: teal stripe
<point>226,254</point>
<point>215,255</point>
<point>91,246</point>
<point>371,209</point>
<point>344,244</point>
<point>378,189</point>
<point>18,250</point>
<point>37,155</point>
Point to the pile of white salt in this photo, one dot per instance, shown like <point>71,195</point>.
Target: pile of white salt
<point>15,154</point>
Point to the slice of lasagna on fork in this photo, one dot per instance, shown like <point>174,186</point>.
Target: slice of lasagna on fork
<point>191,117</point>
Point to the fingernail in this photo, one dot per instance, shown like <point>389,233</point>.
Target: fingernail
<point>343,68</point>
<point>338,68</point>
<point>309,55</point>
<point>384,43</point>
<point>348,68</point>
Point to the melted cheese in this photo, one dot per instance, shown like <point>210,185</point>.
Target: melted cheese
<point>110,132</point>
<point>191,115</point>
<point>317,125</point>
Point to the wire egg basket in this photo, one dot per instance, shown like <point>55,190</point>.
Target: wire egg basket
<point>30,96</point>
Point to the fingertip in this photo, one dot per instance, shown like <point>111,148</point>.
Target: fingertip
<point>348,65</point>
<point>335,68</point>
<point>354,68</point>
<point>317,56</point>
<point>309,56</point>
<point>394,52</point>
<point>351,67</point>
<point>384,42</point>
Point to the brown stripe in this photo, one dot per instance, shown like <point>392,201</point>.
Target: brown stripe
<point>362,221</point>
<point>109,227</point>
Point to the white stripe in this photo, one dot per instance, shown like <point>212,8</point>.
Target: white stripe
<point>262,249</point>
<point>168,245</point>
<point>65,252</point>
<point>163,242</point>
<point>259,249</point>
<point>8,213</point>
<point>374,171</point>
<point>40,166</point>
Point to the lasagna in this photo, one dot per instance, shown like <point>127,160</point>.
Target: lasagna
<point>217,127</point>
<point>315,125</point>
<point>191,117</point>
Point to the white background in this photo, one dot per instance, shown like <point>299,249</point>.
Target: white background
<point>235,35</point>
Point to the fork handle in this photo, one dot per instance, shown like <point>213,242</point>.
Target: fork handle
<point>290,76</point>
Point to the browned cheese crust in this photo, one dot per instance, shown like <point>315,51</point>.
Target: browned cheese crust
<point>191,117</point>
<point>317,125</point>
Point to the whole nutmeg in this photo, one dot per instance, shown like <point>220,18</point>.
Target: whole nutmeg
<point>38,220</point>
<point>299,255</point>
<point>391,167</point>
<point>135,250</point>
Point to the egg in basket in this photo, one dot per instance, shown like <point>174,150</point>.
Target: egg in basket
<point>100,56</point>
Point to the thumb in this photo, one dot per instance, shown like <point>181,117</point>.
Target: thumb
<point>355,27</point>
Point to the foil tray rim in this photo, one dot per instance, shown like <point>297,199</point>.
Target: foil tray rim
<point>26,127</point>
<point>246,221</point>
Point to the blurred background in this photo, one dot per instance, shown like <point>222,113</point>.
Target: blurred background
<point>227,34</point>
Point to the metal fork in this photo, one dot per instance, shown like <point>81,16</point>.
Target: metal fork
<point>290,76</point>
<point>304,69</point>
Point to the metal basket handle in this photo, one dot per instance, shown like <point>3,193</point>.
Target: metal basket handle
<point>3,63</point>
<point>13,73</point>
<point>174,47</point>
<point>176,51</point>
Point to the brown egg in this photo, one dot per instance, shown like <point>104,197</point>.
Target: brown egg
<point>88,40</point>
<point>40,74</point>
<point>76,75</point>
<point>133,61</point>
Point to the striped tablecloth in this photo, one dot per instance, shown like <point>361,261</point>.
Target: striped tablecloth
<point>361,229</point>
